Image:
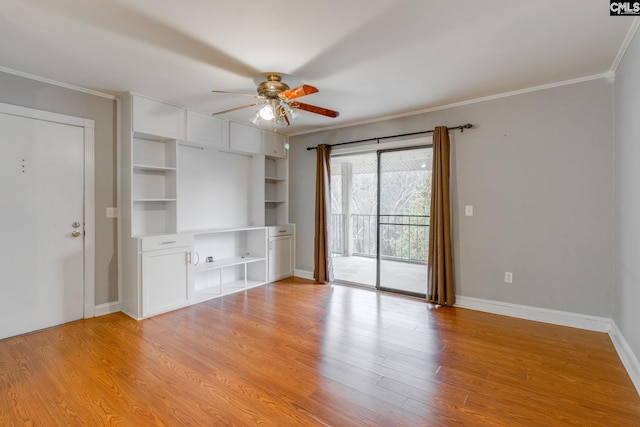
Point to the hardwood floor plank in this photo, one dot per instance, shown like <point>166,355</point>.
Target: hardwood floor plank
<point>295,353</point>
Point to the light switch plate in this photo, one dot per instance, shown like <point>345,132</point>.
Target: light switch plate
<point>468,210</point>
<point>112,212</point>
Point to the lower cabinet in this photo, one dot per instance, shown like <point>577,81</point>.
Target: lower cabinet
<point>176,270</point>
<point>165,280</point>
<point>156,274</point>
<point>280,252</point>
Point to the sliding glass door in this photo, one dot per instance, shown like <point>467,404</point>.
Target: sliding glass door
<point>404,190</point>
<point>354,206</point>
<point>380,205</point>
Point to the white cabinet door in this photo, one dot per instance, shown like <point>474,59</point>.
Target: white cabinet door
<point>280,257</point>
<point>157,118</point>
<point>165,280</point>
<point>273,144</point>
<point>205,129</point>
<point>246,139</point>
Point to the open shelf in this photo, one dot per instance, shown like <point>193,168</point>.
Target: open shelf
<point>236,285</point>
<point>240,261</point>
<point>273,180</point>
<point>153,200</point>
<point>153,216</point>
<point>228,262</point>
<point>153,186</point>
<point>254,283</point>
<point>205,294</point>
<point>154,152</point>
<point>152,168</point>
<point>275,191</point>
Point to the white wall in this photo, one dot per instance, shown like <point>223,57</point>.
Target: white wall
<point>42,96</point>
<point>538,169</point>
<point>626,312</point>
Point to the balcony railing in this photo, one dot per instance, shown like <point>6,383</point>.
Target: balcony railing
<point>403,237</point>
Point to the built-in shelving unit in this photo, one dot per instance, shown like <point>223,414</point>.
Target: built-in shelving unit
<point>276,190</point>
<point>184,174</point>
<point>228,261</point>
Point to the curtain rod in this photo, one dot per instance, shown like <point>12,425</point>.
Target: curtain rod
<point>461,127</point>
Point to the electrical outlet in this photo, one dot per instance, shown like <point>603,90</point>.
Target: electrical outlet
<point>508,277</point>
<point>112,212</point>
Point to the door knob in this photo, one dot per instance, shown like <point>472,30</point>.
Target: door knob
<point>75,234</point>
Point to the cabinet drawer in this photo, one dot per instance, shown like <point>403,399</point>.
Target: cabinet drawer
<point>167,241</point>
<point>280,230</point>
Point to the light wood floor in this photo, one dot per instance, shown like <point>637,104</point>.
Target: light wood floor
<point>296,354</point>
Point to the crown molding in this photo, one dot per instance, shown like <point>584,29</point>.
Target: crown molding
<point>625,44</point>
<point>606,76</point>
<point>56,83</point>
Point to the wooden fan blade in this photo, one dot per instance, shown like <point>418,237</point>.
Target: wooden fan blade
<point>314,109</point>
<point>236,93</point>
<point>238,108</point>
<point>297,92</point>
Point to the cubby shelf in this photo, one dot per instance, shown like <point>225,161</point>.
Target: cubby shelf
<point>153,185</point>
<point>275,190</point>
<point>226,263</point>
<point>240,261</point>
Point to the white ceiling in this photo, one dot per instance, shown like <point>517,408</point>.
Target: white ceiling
<point>369,58</point>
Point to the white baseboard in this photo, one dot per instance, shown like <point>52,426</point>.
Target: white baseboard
<point>562,318</point>
<point>108,308</point>
<point>89,311</point>
<point>628,358</point>
<point>556,317</point>
<point>303,274</point>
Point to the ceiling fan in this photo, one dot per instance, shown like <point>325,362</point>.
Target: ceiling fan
<point>278,100</point>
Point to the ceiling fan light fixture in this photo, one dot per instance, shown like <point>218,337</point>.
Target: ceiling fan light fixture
<point>266,112</point>
<point>255,118</point>
<point>292,113</point>
<point>277,103</point>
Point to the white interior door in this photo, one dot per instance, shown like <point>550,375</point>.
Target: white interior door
<point>42,196</point>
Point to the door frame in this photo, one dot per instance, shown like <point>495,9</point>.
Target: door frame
<point>88,127</point>
<point>376,147</point>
